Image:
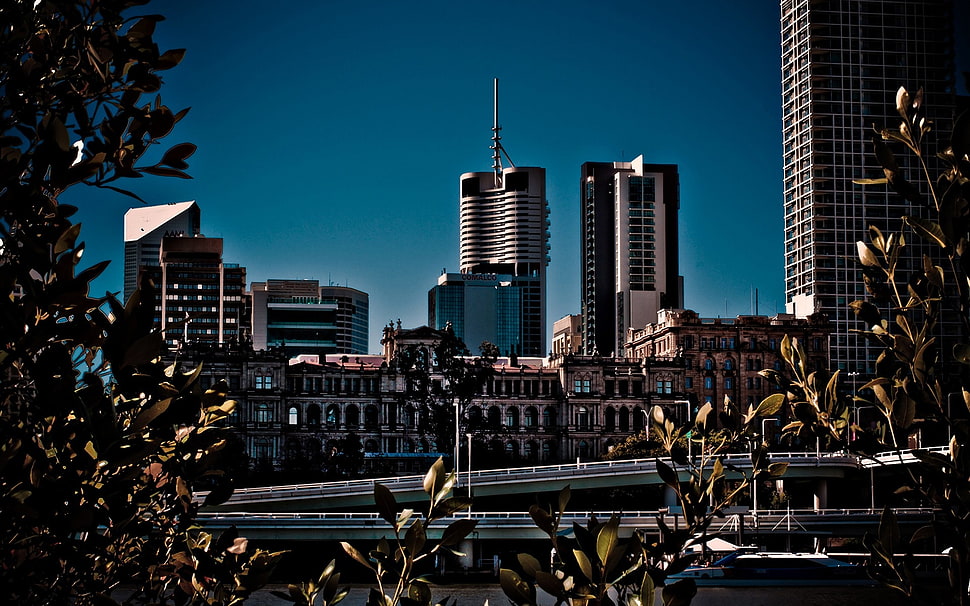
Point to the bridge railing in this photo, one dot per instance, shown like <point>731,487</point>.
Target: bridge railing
<point>531,472</point>
<point>628,517</point>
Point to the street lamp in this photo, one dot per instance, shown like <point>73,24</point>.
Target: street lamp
<point>687,419</point>
<point>457,444</point>
<point>469,472</point>
<point>764,432</point>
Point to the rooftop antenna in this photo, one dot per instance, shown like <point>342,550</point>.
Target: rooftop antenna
<point>496,147</point>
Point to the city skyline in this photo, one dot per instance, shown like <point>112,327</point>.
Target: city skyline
<point>335,156</point>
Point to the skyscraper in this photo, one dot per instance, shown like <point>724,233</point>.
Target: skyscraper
<point>145,226</point>
<point>309,319</point>
<point>198,298</point>
<point>504,230</point>
<point>842,63</point>
<point>630,267</point>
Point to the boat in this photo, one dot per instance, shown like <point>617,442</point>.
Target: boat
<point>765,569</point>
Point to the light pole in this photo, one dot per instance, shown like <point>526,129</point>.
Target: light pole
<point>457,444</point>
<point>687,419</point>
<point>872,468</point>
<point>754,480</point>
<point>764,431</point>
<point>469,472</point>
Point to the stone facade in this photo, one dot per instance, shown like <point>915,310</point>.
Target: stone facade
<point>293,414</point>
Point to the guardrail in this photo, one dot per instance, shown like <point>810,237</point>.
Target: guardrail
<point>413,482</point>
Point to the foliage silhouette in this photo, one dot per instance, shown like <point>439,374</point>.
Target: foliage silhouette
<point>101,445</point>
<point>921,387</point>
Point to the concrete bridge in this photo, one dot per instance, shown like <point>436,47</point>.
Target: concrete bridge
<point>349,495</point>
<point>519,526</point>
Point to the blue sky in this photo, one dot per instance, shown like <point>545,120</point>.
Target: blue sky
<point>332,134</point>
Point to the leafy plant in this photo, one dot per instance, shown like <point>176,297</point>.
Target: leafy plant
<point>595,567</point>
<point>398,566</point>
<point>101,444</point>
<point>922,379</point>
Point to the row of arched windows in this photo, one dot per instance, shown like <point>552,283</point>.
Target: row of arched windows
<point>513,418</point>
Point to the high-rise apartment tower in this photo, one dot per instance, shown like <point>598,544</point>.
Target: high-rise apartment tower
<point>145,226</point>
<point>630,249</point>
<point>842,63</point>
<point>504,230</point>
<point>198,297</point>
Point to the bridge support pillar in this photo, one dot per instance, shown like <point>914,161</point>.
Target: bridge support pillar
<point>670,497</point>
<point>467,561</point>
<point>821,494</point>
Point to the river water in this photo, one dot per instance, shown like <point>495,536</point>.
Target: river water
<point>477,595</point>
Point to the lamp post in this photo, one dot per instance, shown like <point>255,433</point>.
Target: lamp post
<point>687,419</point>
<point>764,431</point>
<point>469,472</point>
<point>457,444</point>
<point>754,481</point>
<point>872,468</point>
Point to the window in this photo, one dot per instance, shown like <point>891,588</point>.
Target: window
<point>549,417</point>
<point>688,382</point>
<point>264,381</point>
<point>264,414</point>
<point>728,364</point>
<point>708,364</point>
<point>531,416</point>
<point>728,382</point>
<point>708,382</point>
<point>512,417</point>
<point>582,419</point>
<point>293,417</point>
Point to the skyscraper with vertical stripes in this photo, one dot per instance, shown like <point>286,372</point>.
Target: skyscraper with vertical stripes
<point>504,231</point>
<point>842,63</point>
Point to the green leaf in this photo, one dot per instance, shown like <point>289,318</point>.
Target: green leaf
<point>776,470</point>
<point>176,155</point>
<point>449,506</point>
<point>170,59</point>
<point>352,552</point>
<point>457,531</point>
<point>564,495</point>
<point>680,593</point>
<point>551,584</point>
<point>542,519</point>
<point>667,475</point>
<point>786,350</point>
<point>770,405</point>
<point>386,503</point>
<point>866,256</point>
<point>415,538</point>
<point>434,478</point>
<point>961,353</point>
<point>530,565</point>
<point>67,239</point>
<point>517,590</point>
<point>147,416</point>
<point>607,538</point>
<point>585,566</point>
<point>928,229</point>
<point>647,590</point>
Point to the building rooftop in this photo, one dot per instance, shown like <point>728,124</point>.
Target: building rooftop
<point>143,219</point>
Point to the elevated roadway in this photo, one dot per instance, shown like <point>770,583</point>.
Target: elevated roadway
<point>349,495</point>
<point>519,526</point>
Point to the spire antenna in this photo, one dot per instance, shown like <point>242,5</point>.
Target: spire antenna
<point>496,146</point>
